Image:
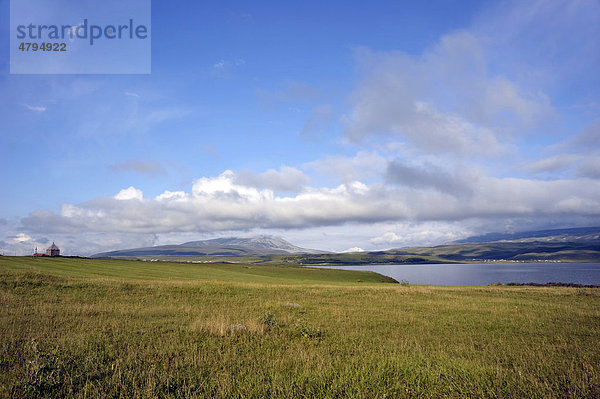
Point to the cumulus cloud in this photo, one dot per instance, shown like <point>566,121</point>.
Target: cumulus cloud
<point>430,176</point>
<point>363,166</point>
<point>443,101</point>
<point>143,167</point>
<point>125,194</point>
<point>423,234</point>
<point>214,204</point>
<point>221,203</point>
<point>285,179</point>
<point>387,238</point>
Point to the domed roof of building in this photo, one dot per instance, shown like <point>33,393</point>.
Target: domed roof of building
<point>53,246</point>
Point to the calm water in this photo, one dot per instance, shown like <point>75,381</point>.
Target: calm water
<point>487,273</point>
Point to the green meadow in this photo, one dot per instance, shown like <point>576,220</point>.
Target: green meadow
<point>107,328</point>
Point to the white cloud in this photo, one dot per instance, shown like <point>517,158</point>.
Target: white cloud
<point>285,179</point>
<point>225,69</point>
<point>445,101</point>
<point>171,196</point>
<point>21,237</point>
<point>544,42</point>
<point>36,108</point>
<point>222,204</point>
<point>420,234</point>
<point>224,64</point>
<point>387,238</point>
<point>364,165</point>
<point>552,164</point>
<point>18,243</point>
<point>354,249</point>
<point>128,194</point>
<point>224,186</point>
<point>74,30</point>
<point>354,214</point>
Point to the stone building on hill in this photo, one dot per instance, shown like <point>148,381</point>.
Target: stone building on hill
<point>53,250</point>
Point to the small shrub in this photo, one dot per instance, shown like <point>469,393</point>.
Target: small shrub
<point>307,331</point>
<point>269,320</point>
<point>404,282</point>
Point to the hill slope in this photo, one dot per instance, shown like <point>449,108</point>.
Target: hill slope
<point>578,234</point>
<point>129,270</point>
<point>232,246</point>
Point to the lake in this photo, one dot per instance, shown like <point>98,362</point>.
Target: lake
<point>486,273</point>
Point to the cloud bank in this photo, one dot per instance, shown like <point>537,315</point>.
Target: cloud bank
<point>222,203</point>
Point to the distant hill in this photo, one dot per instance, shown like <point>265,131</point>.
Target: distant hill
<point>567,245</point>
<point>574,244</point>
<point>232,246</point>
<point>559,245</point>
<point>579,234</point>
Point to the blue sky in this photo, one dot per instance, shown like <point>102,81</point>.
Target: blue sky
<point>338,125</point>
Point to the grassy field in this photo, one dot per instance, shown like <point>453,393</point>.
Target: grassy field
<point>171,271</point>
<point>101,328</point>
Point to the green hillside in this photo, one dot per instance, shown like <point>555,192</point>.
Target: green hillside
<point>172,271</point>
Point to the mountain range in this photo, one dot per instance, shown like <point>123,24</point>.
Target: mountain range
<point>576,244</point>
